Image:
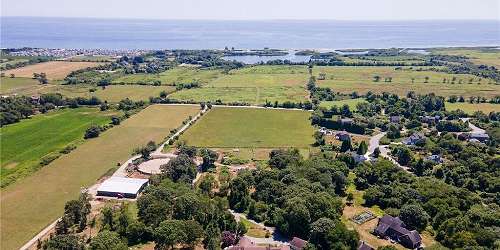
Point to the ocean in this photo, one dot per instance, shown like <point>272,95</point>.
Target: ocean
<point>92,33</point>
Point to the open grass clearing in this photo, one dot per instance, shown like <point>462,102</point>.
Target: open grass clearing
<point>361,80</point>
<point>259,80</point>
<point>470,108</point>
<point>34,202</point>
<point>172,76</point>
<point>350,102</point>
<point>254,230</point>
<point>251,95</point>
<point>26,142</point>
<point>116,93</point>
<point>10,86</point>
<point>490,57</point>
<point>55,70</point>
<point>251,128</point>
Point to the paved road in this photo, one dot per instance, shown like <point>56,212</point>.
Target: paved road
<point>374,143</point>
<point>474,128</point>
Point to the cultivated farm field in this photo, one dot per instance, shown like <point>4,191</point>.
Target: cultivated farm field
<point>26,142</point>
<point>251,128</point>
<point>35,201</point>
<point>361,80</point>
<point>55,70</point>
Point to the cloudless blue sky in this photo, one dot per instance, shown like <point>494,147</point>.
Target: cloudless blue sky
<point>258,9</point>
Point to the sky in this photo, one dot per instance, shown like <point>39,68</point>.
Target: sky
<point>258,9</point>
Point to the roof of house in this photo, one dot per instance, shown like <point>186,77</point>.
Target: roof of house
<point>479,135</point>
<point>298,243</point>
<point>388,222</point>
<point>364,246</point>
<point>122,185</point>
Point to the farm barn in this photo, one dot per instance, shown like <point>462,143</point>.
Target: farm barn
<point>122,187</point>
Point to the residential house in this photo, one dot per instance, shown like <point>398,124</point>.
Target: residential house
<point>343,136</point>
<point>364,246</point>
<point>482,137</point>
<point>434,158</point>
<point>246,243</point>
<point>430,119</point>
<point>297,243</point>
<point>395,119</point>
<point>346,121</point>
<point>414,139</point>
<point>395,229</point>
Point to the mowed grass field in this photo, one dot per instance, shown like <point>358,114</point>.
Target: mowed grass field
<point>172,76</point>
<point>350,102</point>
<point>470,108</point>
<point>251,128</point>
<point>361,80</point>
<point>55,70</point>
<point>26,142</point>
<point>254,85</point>
<point>34,202</point>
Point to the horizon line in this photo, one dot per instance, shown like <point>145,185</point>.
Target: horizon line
<point>255,20</point>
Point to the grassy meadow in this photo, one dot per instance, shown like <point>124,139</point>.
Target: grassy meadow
<point>490,57</point>
<point>361,80</point>
<point>26,142</point>
<point>251,128</point>
<point>172,76</point>
<point>18,85</point>
<point>254,85</point>
<point>32,203</point>
<point>350,102</point>
<point>470,108</point>
<point>55,70</point>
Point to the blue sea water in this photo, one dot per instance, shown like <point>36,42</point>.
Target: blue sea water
<point>184,34</point>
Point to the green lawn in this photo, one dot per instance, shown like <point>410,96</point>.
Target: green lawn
<point>172,76</point>
<point>116,93</point>
<point>361,80</point>
<point>351,102</point>
<point>25,142</point>
<point>470,108</point>
<point>251,127</point>
<point>32,203</point>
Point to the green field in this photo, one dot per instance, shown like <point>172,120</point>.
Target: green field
<point>350,102</point>
<point>112,93</point>
<point>17,85</point>
<point>254,85</point>
<point>361,80</point>
<point>251,128</point>
<point>490,57</point>
<point>172,76</point>
<point>34,202</point>
<point>25,142</point>
<point>470,108</point>
<point>238,94</point>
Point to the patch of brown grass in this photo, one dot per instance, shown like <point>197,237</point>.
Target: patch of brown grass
<point>55,70</point>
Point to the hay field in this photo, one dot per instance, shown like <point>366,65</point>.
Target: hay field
<point>26,142</point>
<point>55,70</point>
<point>251,128</point>
<point>34,202</point>
<point>361,80</point>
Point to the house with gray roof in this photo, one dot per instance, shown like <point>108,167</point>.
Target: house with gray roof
<point>395,229</point>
